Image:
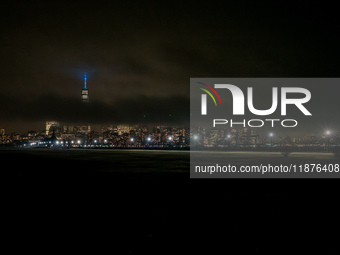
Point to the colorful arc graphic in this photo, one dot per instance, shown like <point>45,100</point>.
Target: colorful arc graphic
<point>213,90</point>
<point>209,95</point>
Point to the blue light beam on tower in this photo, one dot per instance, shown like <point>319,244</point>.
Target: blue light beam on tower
<point>85,81</point>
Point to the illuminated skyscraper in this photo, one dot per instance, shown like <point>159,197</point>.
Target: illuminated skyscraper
<point>85,92</point>
<point>52,126</point>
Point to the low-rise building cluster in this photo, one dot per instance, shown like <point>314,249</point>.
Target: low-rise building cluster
<point>57,135</point>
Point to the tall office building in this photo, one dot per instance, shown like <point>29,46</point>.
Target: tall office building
<point>52,126</point>
<point>85,92</point>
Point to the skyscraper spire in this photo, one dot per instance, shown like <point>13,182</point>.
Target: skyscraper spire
<point>85,92</point>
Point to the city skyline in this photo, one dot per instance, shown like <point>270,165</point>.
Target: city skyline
<point>65,135</point>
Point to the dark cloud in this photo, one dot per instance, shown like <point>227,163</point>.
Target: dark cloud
<point>142,51</point>
<point>173,110</point>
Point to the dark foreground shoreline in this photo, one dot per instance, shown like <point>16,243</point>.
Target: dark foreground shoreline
<point>143,202</point>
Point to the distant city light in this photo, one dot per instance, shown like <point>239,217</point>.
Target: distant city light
<point>158,137</point>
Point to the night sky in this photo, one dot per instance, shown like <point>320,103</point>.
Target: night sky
<point>140,55</point>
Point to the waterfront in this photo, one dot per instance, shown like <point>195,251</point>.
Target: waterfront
<point>144,201</point>
<point>45,161</point>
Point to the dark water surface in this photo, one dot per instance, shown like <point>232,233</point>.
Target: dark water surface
<point>143,202</point>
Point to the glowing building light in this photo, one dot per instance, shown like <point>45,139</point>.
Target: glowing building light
<point>85,81</point>
<point>85,91</point>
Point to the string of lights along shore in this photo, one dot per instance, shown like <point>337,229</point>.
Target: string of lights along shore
<point>85,92</point>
